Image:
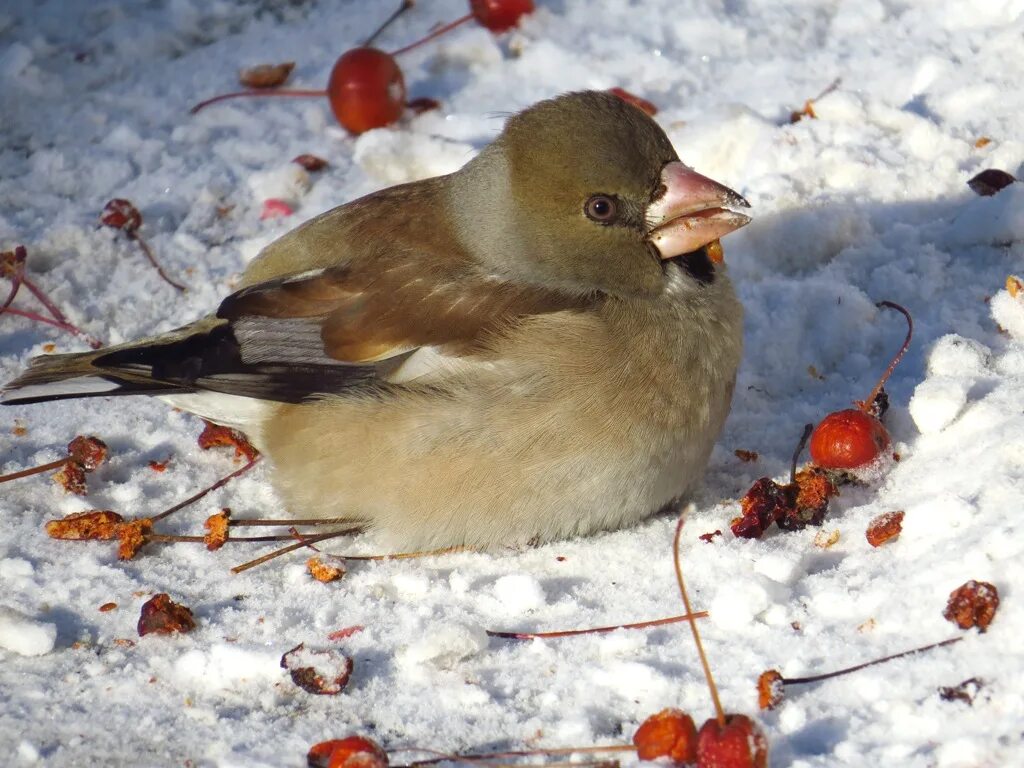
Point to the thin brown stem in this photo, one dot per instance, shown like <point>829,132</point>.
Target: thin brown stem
<point>401,555</point>
<point>16,281</point>
<point>156,264</point>
<point>405,6</point>
<point>197,496</point>
<point>284,522</point>
<point>92,341</point>
<point>442,757</point>
<point>34,470</point>
<point>808,428</point>
<point>719,712</point>
<point>285,550</point>
<point>169,538</point>
<point>436,33</point>
<point>595,630</point>
<point>847,670</point>
<point>297,93</point>
<point>866,405</point>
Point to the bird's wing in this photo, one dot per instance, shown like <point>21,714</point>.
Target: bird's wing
<point>334,330</point>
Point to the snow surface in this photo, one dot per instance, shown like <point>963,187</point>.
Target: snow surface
<point>868,202</point>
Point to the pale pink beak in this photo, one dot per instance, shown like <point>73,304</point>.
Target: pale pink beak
<point>692,212</point>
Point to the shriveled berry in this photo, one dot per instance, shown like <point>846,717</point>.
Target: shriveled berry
<point>973,604</point>
<point>121,214</point>
<point>670,733</point>
<point>990,181</point>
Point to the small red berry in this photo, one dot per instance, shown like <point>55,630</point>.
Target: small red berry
<point>669,733</point>
<point>848,439</point>
<point>500,15</point>
<point>366,90</point>
<point>121,214</point>
<point>350,752</point>
<point>739,744</point>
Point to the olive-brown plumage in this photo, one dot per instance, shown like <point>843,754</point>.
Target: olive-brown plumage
<point>536,346</point>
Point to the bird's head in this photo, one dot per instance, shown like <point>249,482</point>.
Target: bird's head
<point>585,192</point>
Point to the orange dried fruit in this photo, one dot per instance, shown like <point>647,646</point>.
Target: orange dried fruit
<point>322,571</point>
<point>266,75</point>
<point>217,529</point>
<point>95,524</point>
<point>669,733</point>
<point>770,689</point>
<point>884,527</point>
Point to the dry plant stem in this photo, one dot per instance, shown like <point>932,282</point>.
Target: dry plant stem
<point>405,6</point>
<point>289,523</point>
<point>92,341</point>
<point>197,496</point>
<point>285,550</point>
<point>292,92</point>
<point>443,757</point>
<point>401,555</point>
<point>808,429</point>
<point>864,406</point>
<point>169,538</point>
<point>847,670</point>
<point>34,470</point>
<point>16,280</point>
<point>719,712</point>
<point>156,264</point>
<point>595,630</point>
<point>436,33</point>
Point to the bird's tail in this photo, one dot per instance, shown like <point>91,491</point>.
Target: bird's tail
<point>119,370</point>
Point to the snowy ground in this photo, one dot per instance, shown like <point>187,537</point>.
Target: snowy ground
<point>868,202</point>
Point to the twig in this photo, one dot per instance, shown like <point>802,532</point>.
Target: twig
<point>405,6</point>
<point>285,550</point>
<point>34,470</point>
<point>595,630</point>
<point>847,670</point>
<point>197,496</point>
<point>156,264</point>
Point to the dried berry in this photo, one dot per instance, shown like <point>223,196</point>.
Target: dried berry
<point>324,673</point>
<point>87,451</point>
<point>973,604</point>
<point>107,607</point>
<point>311,163</point>
<point>670,733</point>
<point>121,214</point>
<point>95,524</point>
<point>266,75</point>
<point>71,477</point>
<point>965,691</point>
<point>132,536</point>
<point>770,689</point>
<point>322,571</point>
<point>884,527</point>
<point>708,537</point>
<point>990,181</point>
<point>765,503</point>
<point>161,615</point>
<point>643,104</point>
<point>215,436</point>
<point>738,744</point>
<point>743,455</point>
<point>422,104</point>
<point>216,526</point>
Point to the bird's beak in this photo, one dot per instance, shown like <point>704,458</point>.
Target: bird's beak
<point>692,212</point>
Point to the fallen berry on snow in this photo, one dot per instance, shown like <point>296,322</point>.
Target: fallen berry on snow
<point>737,744</point>
<point>972,604</point>
<point>669,733</point>
<point>770,689</point>
<point>161,615</point>
<point>884,527</point>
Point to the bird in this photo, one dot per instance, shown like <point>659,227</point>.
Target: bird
<point>540,345</point>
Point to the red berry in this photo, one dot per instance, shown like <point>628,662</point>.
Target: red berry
<point>366,90</point>
<point>669,733</point>
<point>350,752</point>
<point>499,15</point>
<point>121,214</point>
<point>848,439</point>
<point>740,744</point>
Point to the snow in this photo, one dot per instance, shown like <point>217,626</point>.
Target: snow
<point>867,202</point>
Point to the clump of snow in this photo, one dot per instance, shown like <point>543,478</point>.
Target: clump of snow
<point>25,635</point>
<point>937,401</point>
<point>519,593</point>
<point>444,646</point>
<point>1008,311</point>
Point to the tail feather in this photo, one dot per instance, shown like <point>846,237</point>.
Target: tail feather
<point>60,377</point>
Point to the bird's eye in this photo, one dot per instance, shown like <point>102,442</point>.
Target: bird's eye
<point>601,208</point>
